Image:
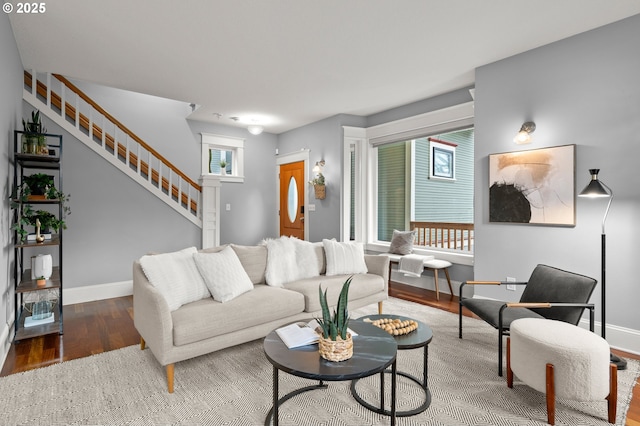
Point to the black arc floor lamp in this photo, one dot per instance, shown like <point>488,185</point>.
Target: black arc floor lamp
<point>598,189</point>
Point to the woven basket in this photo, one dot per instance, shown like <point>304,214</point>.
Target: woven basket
<point>320,191</point>
<point>336,350</point>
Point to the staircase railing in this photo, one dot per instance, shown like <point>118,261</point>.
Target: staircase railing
<point>133,155</point>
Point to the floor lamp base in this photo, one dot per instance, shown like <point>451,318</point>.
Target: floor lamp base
<point>621,363</point>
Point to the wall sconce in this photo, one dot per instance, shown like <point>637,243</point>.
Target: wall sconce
<point>524,135</point>
<point>254,129</point>
<point>318,167</point>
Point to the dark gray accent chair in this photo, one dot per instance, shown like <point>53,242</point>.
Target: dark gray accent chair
<point>550,293</point>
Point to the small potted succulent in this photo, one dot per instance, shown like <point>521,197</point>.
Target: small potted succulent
<point>41,281</point>
<point>336,343</point>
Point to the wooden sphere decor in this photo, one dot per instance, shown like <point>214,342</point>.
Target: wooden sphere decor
<point>395,326</point>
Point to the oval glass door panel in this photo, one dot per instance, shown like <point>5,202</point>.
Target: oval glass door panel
<point>292,199</point>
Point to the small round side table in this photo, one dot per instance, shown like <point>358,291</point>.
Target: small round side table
<point>419,338</point>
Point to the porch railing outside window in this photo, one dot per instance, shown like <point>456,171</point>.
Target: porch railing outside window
<point>454,236</point>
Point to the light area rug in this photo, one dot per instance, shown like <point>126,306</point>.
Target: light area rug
<point>234,387</point>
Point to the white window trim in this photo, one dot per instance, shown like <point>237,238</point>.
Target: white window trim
<point>226,143</point>
<point>458,116</point>
<point>354,139</point>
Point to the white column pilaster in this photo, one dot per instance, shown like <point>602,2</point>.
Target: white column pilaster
<point>211,187</point>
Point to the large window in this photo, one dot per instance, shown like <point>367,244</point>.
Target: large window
<point>416,181</point>
<point>416,169</point>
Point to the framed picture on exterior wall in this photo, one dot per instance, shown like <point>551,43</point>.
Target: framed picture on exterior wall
<point>535,186</point>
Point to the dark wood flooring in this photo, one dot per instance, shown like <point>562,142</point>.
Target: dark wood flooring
<point>105,325</point>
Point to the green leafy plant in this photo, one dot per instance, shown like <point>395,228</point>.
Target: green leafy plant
<point>223,164</point>
<point>41,184</point>
<point>44,184</point>
<point>318,180</point>
<point>35,125</point>
<point>48,221</point>
<point>337,324</point>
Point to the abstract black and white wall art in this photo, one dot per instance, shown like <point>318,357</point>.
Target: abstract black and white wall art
<point>535,186</point>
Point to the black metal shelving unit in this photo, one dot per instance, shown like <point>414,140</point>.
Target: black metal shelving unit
<point>24,285</point>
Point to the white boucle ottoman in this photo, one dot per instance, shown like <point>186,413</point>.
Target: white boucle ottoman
<point>563,360</point>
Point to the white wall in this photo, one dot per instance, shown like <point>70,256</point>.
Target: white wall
<point>583,90</point>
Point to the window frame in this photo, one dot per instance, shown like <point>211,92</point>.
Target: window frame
<point>450,150</point>
<point>431,123</point>
<point>224,143</point>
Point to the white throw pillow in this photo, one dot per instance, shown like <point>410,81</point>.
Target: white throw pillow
<point>223,274</point>
<point>307,265</point>
<point>281,261</point>
<point>176,277</point>
<point>290,259</point>
<point>344,258</point>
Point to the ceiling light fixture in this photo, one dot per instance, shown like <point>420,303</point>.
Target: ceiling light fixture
<point>255,129</point>
<point>524,135</point>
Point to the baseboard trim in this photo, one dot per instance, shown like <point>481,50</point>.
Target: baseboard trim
<point>6,343</point>
<point>622,338</point>
<point>71,296</point>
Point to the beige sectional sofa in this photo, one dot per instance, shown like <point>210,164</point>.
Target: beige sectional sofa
<point>207,325</point>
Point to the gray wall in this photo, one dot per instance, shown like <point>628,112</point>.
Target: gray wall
<point>10,114</point>
<point>254,205</point>
<point>583,90</point>
<point>115,221</point>
<point>324,139</point>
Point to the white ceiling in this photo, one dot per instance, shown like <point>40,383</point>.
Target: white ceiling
<point>292,62</point>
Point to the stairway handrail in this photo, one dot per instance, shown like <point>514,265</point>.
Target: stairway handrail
<point>124,128</point>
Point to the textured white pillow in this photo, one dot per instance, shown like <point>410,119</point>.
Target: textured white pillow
<point>344,258</point>
<point>281,261</point>
<point>223,274</point>
<point>307,265</point>
<point>176,277</point>
<point>290,259</point>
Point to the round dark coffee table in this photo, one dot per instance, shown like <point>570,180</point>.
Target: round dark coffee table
<point>374,350</point>
<point>419,338</point>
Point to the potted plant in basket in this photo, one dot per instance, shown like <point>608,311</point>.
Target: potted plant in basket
<point>319,186</point>
<point>336,343</point>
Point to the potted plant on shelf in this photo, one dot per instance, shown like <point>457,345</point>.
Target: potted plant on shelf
<point>336,343</point>
<point>223,167</point>
<point>34,141</point>
<point>44,185</point>
<point>48,221</point>
<point>39,186</point>
<point>318,186</point>
<point>41,281</point>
